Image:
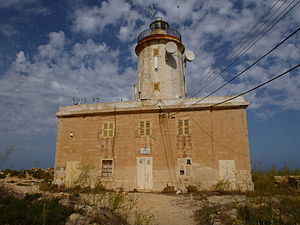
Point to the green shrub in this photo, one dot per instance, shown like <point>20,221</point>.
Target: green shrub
<point>283,212</point>
<point>46,175</point>
<point>31,211</point>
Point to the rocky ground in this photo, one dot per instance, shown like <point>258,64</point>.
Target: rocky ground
<point>152,208</point>
<point>202,208</point>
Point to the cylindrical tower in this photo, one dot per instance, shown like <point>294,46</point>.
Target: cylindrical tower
<point>160,63</point>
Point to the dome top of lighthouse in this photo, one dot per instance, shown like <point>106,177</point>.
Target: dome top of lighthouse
<point>159,29</point>
<point>158,23</point>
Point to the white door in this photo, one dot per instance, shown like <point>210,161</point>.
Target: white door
<point>227,171</point>
<point>144,173</point>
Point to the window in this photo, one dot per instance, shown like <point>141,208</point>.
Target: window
<point>185,167</point>
<point>108,130</point>
<point>155,52</point>
<point>107,168</point>
<point>156,86</point>
<point>145,128</point>
<point>183,126</point>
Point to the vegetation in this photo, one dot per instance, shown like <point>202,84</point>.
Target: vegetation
<point>273,201</point>
<point>41,174</point>
<point>32,210</point>
<point>168,189</point>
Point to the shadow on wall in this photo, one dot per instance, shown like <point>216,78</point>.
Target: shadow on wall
<point>170,60</point>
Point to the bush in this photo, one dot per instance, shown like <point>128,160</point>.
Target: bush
<point>46,175</point>
<point>168,189</point>
<point>284,212</point>
<point>272,202</point>
<point>191,189</point>
<point>52,188</point>
<point>28,211</point>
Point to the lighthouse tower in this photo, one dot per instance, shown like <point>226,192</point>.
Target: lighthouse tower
<point>160,63</point>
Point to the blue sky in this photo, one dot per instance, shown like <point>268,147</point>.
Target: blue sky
<point>52,51</point>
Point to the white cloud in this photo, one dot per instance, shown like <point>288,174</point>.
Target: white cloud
<point>11,3</point>
<point>35,85</point>
<point>94,19</point>
<point>25,6</point>
<point>8,30</point>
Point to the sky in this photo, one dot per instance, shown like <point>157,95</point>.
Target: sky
<point>53,51</point>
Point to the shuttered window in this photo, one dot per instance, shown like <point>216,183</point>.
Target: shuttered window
<point>183,126</point>
<point>108,130</point>
<point>145,128</point>
<point>107,168</point>
<point>185,167</point>
<point>156,86</point>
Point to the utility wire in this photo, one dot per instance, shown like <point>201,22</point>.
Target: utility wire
<point>258,86</point>
<point>206,76</point>
<point>242,72</point>
<point>240,49</point>
<point>239,74</point>
<point>263,33</point>
<point>243,53</point>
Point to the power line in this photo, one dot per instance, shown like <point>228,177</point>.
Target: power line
<point>263,33</point>
<point>242,72</point>
<point>242,54</point>
<point>206,76</point>
<point>240,49</point>
<point>239,74</point>
<point>258,86</point>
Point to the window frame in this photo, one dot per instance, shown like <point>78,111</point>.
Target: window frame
<point>185,127</point>
<point>186,167</point>
<point>109,171</point>
<point>142,130</point>
<point>108,129</point>
<point>156,86</point>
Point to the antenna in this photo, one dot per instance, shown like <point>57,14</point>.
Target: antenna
<point>171,47</point>
<point>178,12</point>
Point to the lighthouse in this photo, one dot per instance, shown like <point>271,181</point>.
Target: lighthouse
<point>155,142</point>
<point>161,60</point>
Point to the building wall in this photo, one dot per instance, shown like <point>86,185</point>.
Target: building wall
<point>168,74</point>
<point>213,136</point>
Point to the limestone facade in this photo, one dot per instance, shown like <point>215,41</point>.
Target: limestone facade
<point>198,146</point>
<point>160,138</point>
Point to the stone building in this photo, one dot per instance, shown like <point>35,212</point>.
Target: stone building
<point>159,139</point>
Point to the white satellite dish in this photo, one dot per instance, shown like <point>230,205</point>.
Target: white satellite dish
<point>171,47</point>
<point>189,55</point>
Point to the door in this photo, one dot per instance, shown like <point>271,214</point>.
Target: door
<point>227,172</point>
<point>72,172</point>
<point>144,173</point>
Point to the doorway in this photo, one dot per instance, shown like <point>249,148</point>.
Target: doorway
<point>144,173</point>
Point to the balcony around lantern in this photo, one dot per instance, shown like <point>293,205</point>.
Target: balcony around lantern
<point>153,32</point>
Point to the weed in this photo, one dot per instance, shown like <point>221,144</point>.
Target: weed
<point>272,202</point>
<point>191,189</point>
<point>168,189</point>
<point>215,215</point>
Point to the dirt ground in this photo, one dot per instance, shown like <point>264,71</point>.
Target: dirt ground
<point>168,209</point>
